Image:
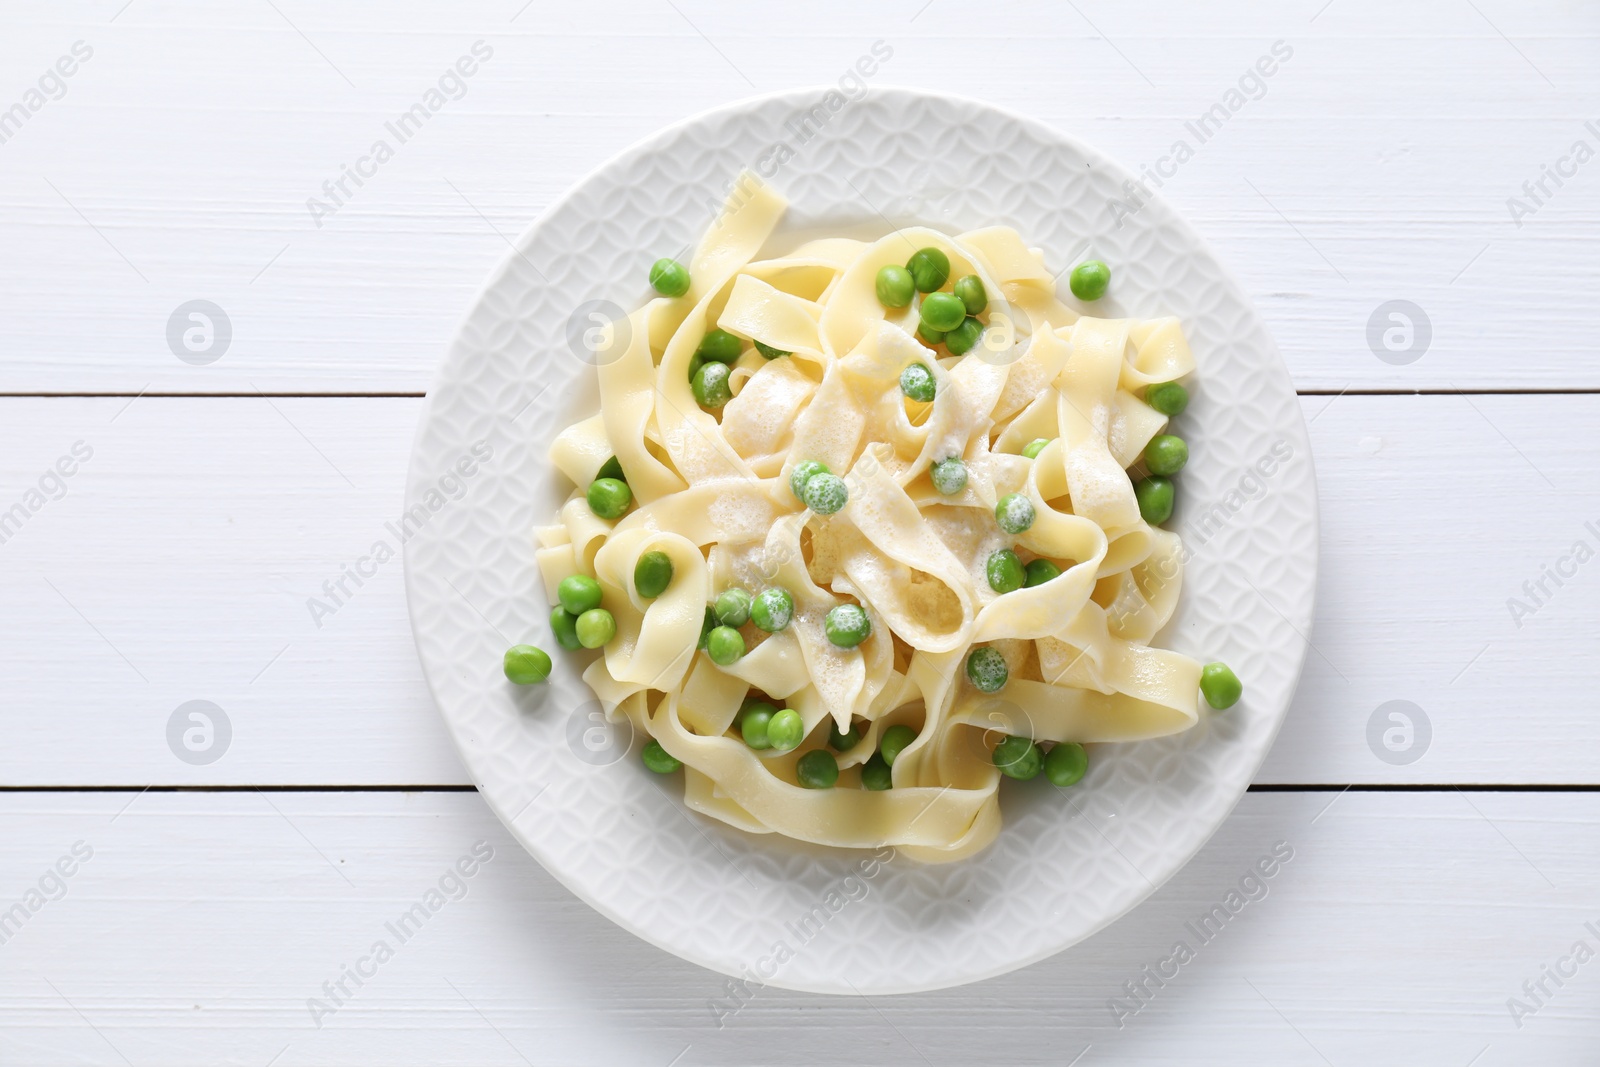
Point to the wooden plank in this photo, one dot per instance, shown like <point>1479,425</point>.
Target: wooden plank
<point>204,923</point>
<point>1435,513</point>
<point>178,567</point>
<point>1358,177</point>
<point>179,563</point>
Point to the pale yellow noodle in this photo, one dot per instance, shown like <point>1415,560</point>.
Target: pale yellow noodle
<point>712,493</point>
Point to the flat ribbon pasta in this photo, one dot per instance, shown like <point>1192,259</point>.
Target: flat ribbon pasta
<point>711,492</point>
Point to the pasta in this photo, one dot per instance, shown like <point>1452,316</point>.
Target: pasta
<point>913,560</point>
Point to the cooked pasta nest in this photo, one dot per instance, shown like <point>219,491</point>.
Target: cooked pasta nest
<point>711,490</point>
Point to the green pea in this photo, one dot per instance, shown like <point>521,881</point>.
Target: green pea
<point>1014,513</point>
<point>845,741</point>
<point>974,297</point>
<point>753,724</point>
<point>943,311</point>
<point>1040,571</point>
<point>733,607</point>
<point>725,646</point>
<point>1032,449</point>
<point>609,498</point>
<point>986,669</point>
<point>595,627</point>
<point>768,352</point>
<point>772,609</point>
<point>707,624</point>
<point>652,574</point>
<point>1018,757</point>
<point>847,625</point>
<point>719,346</point>
<point>875,774</point>
<point>1005,571</point>
<point>1089,280</point>
<point>1155,495</point>
<point>611,468</point>
<point>895,286</point>
<point>894,741</point>
<point>526,664</point>
<point>949,476</point>
<point>669,277</point>
<point>1066,763</point>
<point>1220,686</point>
<point>961,339</point>
<point>578,593</point>
<point>1166,454</point>
<point>917,382</point>
<point>710,385</point>
<point>658,759</point>
<point>563,624</point>
<point>826,494</point>
<point>930,269</point>
<point>1169,398</point>
<point>802,473</point>
<point>933,337</point>
<point>817,769</point>
<point>785,730</point>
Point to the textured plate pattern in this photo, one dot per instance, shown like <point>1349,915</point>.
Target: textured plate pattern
<point>573,791</point>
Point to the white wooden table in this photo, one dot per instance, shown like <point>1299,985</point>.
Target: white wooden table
<point>1429,895</point>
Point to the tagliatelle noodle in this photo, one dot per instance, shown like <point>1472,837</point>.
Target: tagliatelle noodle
<point>711,491</point>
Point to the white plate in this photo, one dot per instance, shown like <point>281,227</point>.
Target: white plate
<point>574,792</point>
